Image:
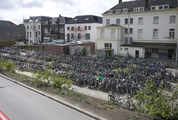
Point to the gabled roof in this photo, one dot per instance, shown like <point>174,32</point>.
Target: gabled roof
<point>7,23</point>
<point>130,5</point>
<point>85,19</point>
<point>38,18</point>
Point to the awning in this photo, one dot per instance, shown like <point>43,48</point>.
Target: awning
<point>46,38</point>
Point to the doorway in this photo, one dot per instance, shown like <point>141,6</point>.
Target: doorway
<point>137,54</point>
<point>170,53</point>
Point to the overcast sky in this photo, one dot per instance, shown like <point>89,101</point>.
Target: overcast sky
<point>16,10</point>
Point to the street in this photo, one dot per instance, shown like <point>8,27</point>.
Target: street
<point>19,103</point>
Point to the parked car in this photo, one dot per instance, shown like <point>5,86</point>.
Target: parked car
<point>73,42</point>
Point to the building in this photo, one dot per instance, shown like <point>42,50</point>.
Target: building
<point>33,28</point>
<point>144,28</point>
<point>82,28</point>
<point>10,33</point>
<point>54,28</point>
<point>52,47</point>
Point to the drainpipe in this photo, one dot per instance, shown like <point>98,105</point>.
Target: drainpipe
<point>118,46</point>
<point>128,27</point>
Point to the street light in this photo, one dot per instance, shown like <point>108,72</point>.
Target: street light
<point>14,36</point>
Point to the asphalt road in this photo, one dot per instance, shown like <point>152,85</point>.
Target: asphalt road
<point>19,103</point>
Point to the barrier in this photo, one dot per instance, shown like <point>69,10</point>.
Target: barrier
<point>3,116</point>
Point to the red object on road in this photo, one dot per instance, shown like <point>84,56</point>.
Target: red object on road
<point>3,116</point>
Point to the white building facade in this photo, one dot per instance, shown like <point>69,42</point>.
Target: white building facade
<point>147,28</point>
<point>33,28</point>
<point>83,28</point>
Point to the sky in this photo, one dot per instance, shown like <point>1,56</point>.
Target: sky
<point>16,10</point>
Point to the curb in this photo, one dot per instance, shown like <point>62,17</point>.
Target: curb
<point>89,114</point>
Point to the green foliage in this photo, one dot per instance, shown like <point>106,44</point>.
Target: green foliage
<point>26,44</point>
<point>49,66</point>
<point>8,65</point>
<point>128,69</point>
<point>154,102</point>
<point>84,51</point>
<point>108,53</point>
<point>128,56</point>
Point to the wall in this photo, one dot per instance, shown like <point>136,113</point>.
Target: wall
<point>10,34</point>
<point>92,32</point>
<point>148,26</point>
<point>63,49</point>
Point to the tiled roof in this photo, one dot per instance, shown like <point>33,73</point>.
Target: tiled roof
<point>130,5</point>
<point>38,18</point>
<point>85,19</point>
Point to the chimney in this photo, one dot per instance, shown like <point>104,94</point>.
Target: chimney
<point>146,4</point>
<point>120,1</point>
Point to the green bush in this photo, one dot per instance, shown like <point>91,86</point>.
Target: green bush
<point>8,65</point>
<point>154,102</point>
<point>84,51</point>
<point>128,56</point>
<point>108,53</point>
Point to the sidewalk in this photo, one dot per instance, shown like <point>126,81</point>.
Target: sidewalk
<point>84,90</point>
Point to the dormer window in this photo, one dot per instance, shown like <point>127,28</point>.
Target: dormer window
<point>86,18</point>
<point>118,11</point>
<point>152,8</point>
<point>110,11</point>
<point>166,7</point>
<point>125,10</point>
<point>75,19</point>
<point>160,7</point>
<point>138,9</point>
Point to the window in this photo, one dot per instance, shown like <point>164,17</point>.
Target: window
<point>131,30</point>
<point>27,34</point>
<point>86,18</point>
<point>110,11</point>
<point>126,40</point>
<point>68,36</point>
<point>140,21</point>
<point>152,8</point>
<point>61,30</point>
<point>155,20</point>
<point>136,9</point>
<point>87,36</point>
<point>160,7</point>
<point>131,40</point>
<point>102,33</point>
<point>38,26</point>
<point>79,36</point>
<point>118,11</point>
<point>89,27</point>
<point>125,10</point>
<point>56,29</point>
<point>125,49</point>
<point>126,30</point>
<point>172,19</point>
<point>78,27</point>
<point>113,34</point>
<point>120,48</point>
<point>72,28</point>
<point>118,21</point>
<point>166,7</point>
<point>171,33</point>
<point>45,30</point>
<point>155,33</point>
<point>126,21</point>
<point>85,27</point>
<point>141,9</point>
<point>140,34</point>
<point>108,45</point>
<point>131,20</point>
<point>68,28</point>
<point>72,36</point>
<point>30,34</point>
<point>27,27</point>
<point>155,50</point>
<point>107,21</point>
<point>39,33</point>
<point>34,27</point>
<point>75,19</point>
